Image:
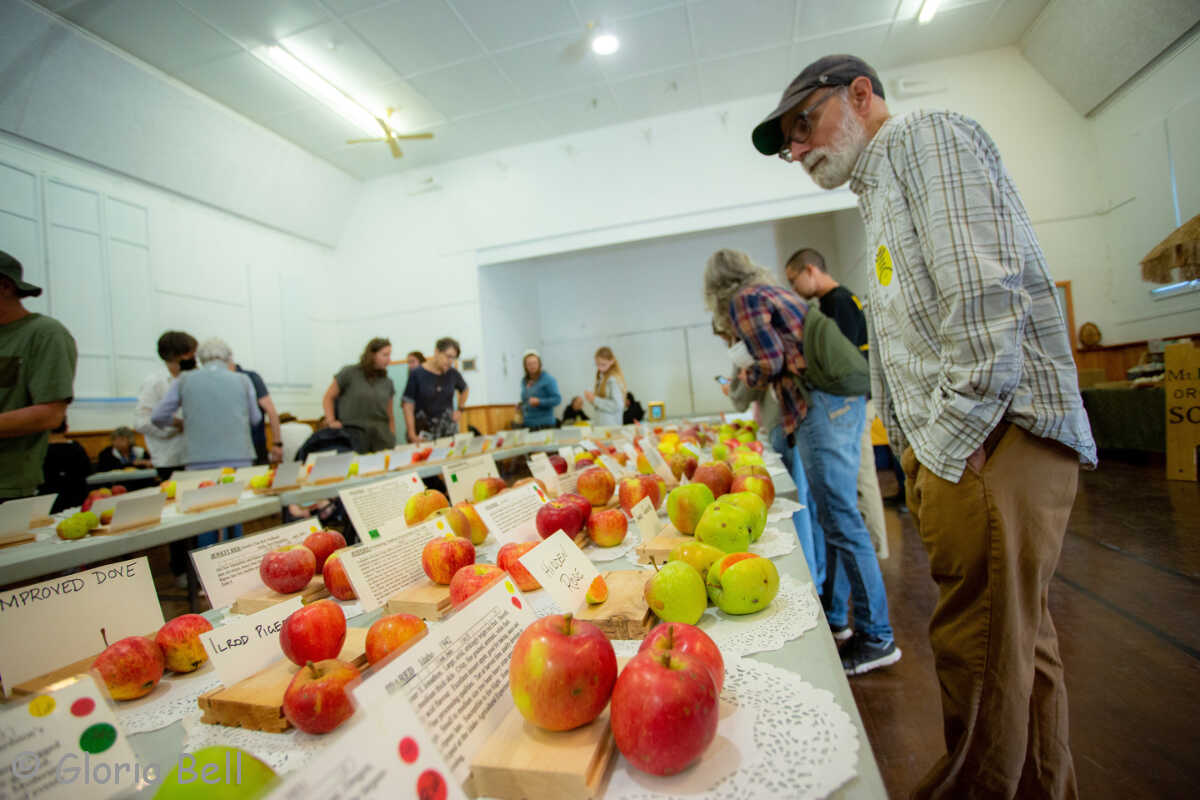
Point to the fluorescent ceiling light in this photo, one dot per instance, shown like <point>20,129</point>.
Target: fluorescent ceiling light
<point>928,9</point>
<point>323,90</point>
<point>605,44</point>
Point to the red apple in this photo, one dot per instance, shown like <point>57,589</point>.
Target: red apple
<point>205,484</point>
<point>322,543</point>
<point>682,464</point>
<point>314,633</point>
<point>471,580</point>
<point>584,463</point>
<point>118,489</point>
<point>559,463</point>
<point>562,672</point>
<point>131,668</point>
<point>683,638</point>
<point>560,514</point>
<point>288,569</point>
<point>443,557</point>
<point>456,520</point>
<point>336,579</point>
<point>761,485</point>
<point>633,489</point>
<point>180,642</point>
<point>716,475</point>
<point>585,507</point>
<point>608,528</point>
<point>477,531</point>
<point>751,469</point>
<point>597,485</point>
<point>316,699</point>
<point>487,487</point>
<point>664,711</point>
<point>420,506</point>
<point>390,632</point>
<point>508,559</point>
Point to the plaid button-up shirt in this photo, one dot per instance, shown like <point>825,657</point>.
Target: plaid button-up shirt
<point>770,320</point>
<point>964,323</point>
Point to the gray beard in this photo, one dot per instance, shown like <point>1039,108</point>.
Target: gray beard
<point>835,162</point>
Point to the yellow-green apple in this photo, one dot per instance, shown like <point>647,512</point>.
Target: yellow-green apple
<point>477,531</point>
<point>288,569</point>
<point>509,560</point>
<point>353,469</point>
<point>700,555</point>
<point>716,475</point>
<point>457,520</point>
<point>93,521</point>
<point>725,526</point>
<point>761,485</point>
<point>389,633</point>
<point>631,490</point>
<point>74,527</point>
<point>751,469</point>
<point>335,577</point>
<point>608,528</point>
<point>322,543</point>
<point>753,505</point>
<point>596,485</point>
<point>662,489</point>
<point>665,711</point>
<point>236,775</point>
<point>560,515</point>
<point>686,504</point>
<point>260,481</point>
<point>105,516</point>
<point>180,642</point>
<point>131,667</point>
<point>597,592</point>
<point>487,487</point>
<point>316,699</point>
<point>676,593</point>
<point>682,463</point>
<point>745,437</point>
<point>643,465</point>
<point>742,583</point>
<point>687,639</point>
<point>168,489</point>
<point>446,555</point>
<point>471,580</point>
<point>747,458</point>
<point>227,479</point>
<point>315,632</point>
<point>720,452</point>
<point>562,672</point>
<point>559,463</point>
<point>421,506</point>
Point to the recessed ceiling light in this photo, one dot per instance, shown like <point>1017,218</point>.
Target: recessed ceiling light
<point>605,44</point>
<point>928,9</point>
<point>303,76</point>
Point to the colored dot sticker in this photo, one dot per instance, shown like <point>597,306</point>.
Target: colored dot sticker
<point>83,706</point>
<point>516,602</point>
<point>509,586</point>
<point>42,705</point>
<point>97,738</point>
<point>409,751</point>
<point>431,785</point>
<point>883,265</point>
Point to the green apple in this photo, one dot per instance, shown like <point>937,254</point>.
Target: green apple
<point>725,526</point>
<point>742,583</point>
<point>90,518</point>
<point>726,432</point>
<point>676,593</point>
<point>216,773</point>
<point>686,504</point>
<point>720,452</point>
<point>260,481</point>
<point>73,527</point>
<point>754,506</point>
<point>746,458</point>
<point>700,555</point>
<point>227,478</point>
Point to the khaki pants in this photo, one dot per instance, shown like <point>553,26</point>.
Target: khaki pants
<point>870,499</point>
<point>993,541</point>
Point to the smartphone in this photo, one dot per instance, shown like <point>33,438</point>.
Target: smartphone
<point>721,379</point>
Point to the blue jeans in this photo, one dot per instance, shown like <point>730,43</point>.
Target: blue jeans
<point>808,527</point>
<point>828,442</point>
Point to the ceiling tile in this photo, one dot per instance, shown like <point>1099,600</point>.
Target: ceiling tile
<point>337,53</point>
<point>416,35</point>
<point>764,72</point>
<point>660,93</point>
<point>363,161</point>
<point>258,23</point>
<point>551,66</point>
<point>579,110</point>
<point>493,131</point>
<point>722,27</point>
<point>466,88</point>
<point>866,43</point>
<point>413,111</point>
<point>343,7</point>
<point>610,10</point>
<point>501,25</point>
<point>822,17</point>
<point>649,43</point>
<point>160,32</point>
<point>952,32</point>
<point>58,6</point>
<point>248,86</point>
<point>317,130</point>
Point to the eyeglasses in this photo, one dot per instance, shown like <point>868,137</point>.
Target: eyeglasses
<point>802,128</point>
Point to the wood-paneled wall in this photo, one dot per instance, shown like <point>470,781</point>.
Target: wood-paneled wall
<point>1115,359</point>
<point>488,419</point>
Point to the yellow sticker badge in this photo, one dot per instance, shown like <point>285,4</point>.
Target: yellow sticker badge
<point>883,266</point>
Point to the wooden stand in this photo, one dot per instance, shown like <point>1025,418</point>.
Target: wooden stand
<point>274,490</point>
<point>262,597</point>
<point>209,506</point>
<point>257,702</point>
<point>521,761</point>
<point>427,600</point>
<point>661,546</point>
<point>11,539</point>
<point>327,481</point>
<point>624,615</point>
<point>41,522</point>
<point>109,530</point>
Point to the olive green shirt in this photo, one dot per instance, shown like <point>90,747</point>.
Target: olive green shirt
<point>37,365</point>
<point>364,404</point>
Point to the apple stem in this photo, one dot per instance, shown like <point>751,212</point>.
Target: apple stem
<point>104,637</point>
<point>654,563</point>
<point>313,667</point>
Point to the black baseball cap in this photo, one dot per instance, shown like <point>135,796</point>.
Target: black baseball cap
<point>11,269</point>
<point>835,70</point>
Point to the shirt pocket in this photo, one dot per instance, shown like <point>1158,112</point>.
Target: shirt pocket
<point>10,371</point>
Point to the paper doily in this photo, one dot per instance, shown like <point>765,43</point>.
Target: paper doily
<point>173,699</point>
<point>774,543</point>
<point>283,752</point>
<point>600,555</point>
<point>782,509</point>
<point>801,744</point>
<point>794,611</point>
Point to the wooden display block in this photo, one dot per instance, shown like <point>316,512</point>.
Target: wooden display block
<point>111,530</point>
<point>41,522</point>
<point>661,545</point>
<point>257,702</point>
<point>80,667</point>
<point>522,761</point>
<point>274,490</point>
<point>211,506</point>
<point>326,481</point>
<point>12,539</point>
<point>427,600</point>
<point>625,614</point>
<point>262,597</point>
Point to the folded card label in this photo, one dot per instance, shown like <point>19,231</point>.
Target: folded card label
<point>541,468</point>
<point>460,476</point>
<point>510,516</point>
<point>16,516</point>
<point>563,571</point>
<point>646,519</point>
<point>391,563</point>
<point>196,499</point>
<point>372,463</point>
<point>370,506</point>
<point>228,570</point>
<point>331,466</point>
<point>248,644</point>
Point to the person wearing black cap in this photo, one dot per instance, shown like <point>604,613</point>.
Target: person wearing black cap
<point>37,378</point>
<point>972,375</point>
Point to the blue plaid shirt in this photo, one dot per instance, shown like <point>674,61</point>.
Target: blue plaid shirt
<point>770,320</point>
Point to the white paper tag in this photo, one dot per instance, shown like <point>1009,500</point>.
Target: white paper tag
<point>438,454</point>
<point>194,499</point>
<point>588,444</point>
<point>371,463</point>
<point>657,462</point>
<point>444,441</point>
<point>613,466</point>
<point>401,457</point>
<point>244,474</point>
<point>569,483</point>
<point>569,435</point>
<point>541,468</point>
<point>248,644</point>
<point>371,506</point>
<point>646,519</point>
<point>104,503</point>
<point>47,625</point>
<point>189,478</point>
<point>629,450</point>
<point>331,465</point>
<point>510,516</point>
<point>563,571</point>
<point>691,448</point>
<point>568,455</point>
<point>460,476</point>
<point>16,516</point>
<point>145,510</point>
<point>286,475</point>
<point>228,570</point>
<point>391,563</point>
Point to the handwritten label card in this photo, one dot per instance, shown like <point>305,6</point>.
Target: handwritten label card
<point>134,511</point>
<point>371,463</point>
<point>391,563</point>
<point>541,468</point>
<point>510,516</point>
<point>646,518</point>
<point>563,570</point>
<point>331,465</point>
<point>370,506</point>
<point>56,746</point>
<point>249,644</point>
<point>460,476</point>
<point>45,626</point>
<point>16,516</point>
<point>198,499</point>
<point>228,570</point>
<point>657,462</point>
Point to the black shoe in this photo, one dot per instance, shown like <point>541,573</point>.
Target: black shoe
<point>864,653</point>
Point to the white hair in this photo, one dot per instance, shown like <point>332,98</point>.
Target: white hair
<point>727,273</point>
<point>214,349</point>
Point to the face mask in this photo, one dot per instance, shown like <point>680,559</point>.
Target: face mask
<point>187,363</point>
<point>740,356</point>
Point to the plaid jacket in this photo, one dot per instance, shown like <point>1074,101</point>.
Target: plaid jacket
<point>770,320</point>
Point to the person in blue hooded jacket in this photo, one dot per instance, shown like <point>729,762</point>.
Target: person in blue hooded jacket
<point>539,393</point>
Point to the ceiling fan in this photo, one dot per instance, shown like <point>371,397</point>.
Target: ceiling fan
<point>390,136</point>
